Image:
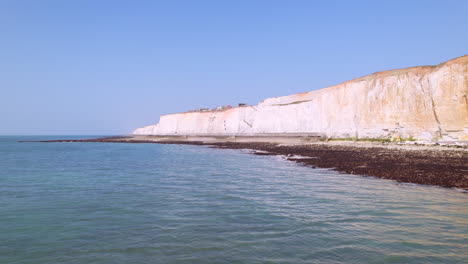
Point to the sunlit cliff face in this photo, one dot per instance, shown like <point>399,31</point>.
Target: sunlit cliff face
<point>427,102</point>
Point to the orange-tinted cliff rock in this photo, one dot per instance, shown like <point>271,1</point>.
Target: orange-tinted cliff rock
<point>426,102</point>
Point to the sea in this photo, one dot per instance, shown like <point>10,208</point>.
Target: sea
<point>152,203</point>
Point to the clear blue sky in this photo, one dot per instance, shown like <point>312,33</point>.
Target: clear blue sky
<point>107,67</point>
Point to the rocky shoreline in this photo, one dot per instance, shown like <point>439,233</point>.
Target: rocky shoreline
<point>428,165</point>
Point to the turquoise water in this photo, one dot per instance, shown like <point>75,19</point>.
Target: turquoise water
<point>149,203</point>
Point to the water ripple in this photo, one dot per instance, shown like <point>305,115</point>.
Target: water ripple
<point>145,203</point>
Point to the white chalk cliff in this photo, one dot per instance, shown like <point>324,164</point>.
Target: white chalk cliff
<point>426,102</point>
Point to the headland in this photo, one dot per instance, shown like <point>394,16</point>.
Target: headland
<point>427,103</point>
<point>355,127</point>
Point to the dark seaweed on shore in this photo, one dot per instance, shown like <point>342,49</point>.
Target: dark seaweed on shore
<point>448,168</point>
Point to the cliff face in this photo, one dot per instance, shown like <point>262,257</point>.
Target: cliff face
<point>427,102</point>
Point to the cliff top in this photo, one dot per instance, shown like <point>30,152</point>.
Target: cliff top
<point>419,70</point>
<point>416,70</point>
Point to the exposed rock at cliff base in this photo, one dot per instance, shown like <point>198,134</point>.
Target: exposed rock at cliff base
<point>425,102</point>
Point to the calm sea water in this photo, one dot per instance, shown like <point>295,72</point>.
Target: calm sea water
<point>149,203</point>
